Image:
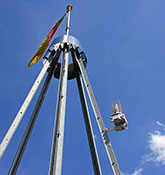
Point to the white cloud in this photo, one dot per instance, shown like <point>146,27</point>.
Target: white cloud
<point>138,172</point>
<point>160,124</point>
<point>157,148</point>
<point>156,145</point>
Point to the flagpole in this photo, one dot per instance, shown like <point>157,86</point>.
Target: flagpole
<point>69,8</point>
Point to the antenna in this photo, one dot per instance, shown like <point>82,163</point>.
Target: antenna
<point>113,110</point>
<point>120,109</point>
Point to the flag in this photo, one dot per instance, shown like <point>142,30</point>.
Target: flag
<point>42,48</point>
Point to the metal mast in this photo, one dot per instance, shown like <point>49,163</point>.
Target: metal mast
<point>58,134</point>
<point>65,71</point>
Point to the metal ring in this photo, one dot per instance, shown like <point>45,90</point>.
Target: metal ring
<point>71,40</point>
<point>67,39</point>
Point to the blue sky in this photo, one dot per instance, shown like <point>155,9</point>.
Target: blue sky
<point>124,43</point>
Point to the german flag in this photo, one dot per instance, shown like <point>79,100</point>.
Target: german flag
<point>42,48</point>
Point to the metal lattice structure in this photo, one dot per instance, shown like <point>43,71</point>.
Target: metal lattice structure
<point>63,71</point>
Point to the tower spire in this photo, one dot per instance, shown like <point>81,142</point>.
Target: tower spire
<point>69,8</point>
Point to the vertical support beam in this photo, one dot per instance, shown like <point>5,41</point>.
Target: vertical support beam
<point>33,118</point>
<point>106,141</point>
<point>88,125</point>
<point>55,165</point>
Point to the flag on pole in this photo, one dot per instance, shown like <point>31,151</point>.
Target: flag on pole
<point>42,48</point>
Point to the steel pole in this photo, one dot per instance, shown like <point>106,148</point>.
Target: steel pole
<point>103,132</point>
<point>69,8</point>
<point>33,118</point>
<point>88,125</point>
<point>58,133</point>
<point>23,109</point>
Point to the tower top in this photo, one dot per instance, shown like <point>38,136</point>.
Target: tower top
<point>69,8</point>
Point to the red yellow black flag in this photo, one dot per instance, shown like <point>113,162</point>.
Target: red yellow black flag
<point>42,48</point>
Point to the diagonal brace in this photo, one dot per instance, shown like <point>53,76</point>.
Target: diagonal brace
<point>23,109</point>
<point>33,118</point>
<point>100,123</point>
<point>88,125</point>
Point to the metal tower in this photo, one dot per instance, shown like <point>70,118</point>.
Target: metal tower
<point>64,71</point>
